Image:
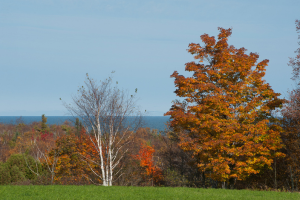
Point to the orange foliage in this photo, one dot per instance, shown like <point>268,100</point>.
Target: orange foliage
<point>145,157</point>
<point>74,156</point>
<point>225,117</point>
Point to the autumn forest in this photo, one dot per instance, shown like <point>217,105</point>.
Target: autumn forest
<point>228,129</point>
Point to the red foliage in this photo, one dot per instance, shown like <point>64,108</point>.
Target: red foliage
<point>145,157</point>
<point>45,136</point>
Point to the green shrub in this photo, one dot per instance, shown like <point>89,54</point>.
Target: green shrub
<point>4,174</point>
<point>24,162</point>
<point>16,174</point>
<point>174,179</point>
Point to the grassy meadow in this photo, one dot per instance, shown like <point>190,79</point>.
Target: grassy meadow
<point>119,192</point>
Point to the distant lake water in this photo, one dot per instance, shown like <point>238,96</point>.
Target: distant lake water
<point>153,122</point>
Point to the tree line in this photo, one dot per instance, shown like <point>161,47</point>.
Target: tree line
<point>228,129</point>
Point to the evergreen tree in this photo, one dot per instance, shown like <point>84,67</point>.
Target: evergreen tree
<point>77,123</point>
<point>44,126</point>
<point>78,126</point>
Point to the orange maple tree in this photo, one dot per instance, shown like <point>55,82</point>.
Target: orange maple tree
<point>225,118</point>
<point>145,157</point>
<point>75,157</point>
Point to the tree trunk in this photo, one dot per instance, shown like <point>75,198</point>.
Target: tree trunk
<point>203,179</point>
<point>231,183</point>
<point>275,180</point>
<point>292,179</point>
<point>224,185</point>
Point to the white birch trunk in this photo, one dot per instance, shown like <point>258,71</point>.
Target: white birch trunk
<point>99,143</point>
<point>110,158</point>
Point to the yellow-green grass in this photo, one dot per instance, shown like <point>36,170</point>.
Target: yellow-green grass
<point>118,192</point>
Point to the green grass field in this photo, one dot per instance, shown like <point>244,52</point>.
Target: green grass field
<point>117,192</point>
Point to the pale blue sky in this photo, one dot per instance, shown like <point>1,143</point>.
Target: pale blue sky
<point>47,47</point>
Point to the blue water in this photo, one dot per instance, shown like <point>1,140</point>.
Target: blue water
<point>153,122</point>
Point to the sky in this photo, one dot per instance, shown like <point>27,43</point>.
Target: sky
<point>47,47</point>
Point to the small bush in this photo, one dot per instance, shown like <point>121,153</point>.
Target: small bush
<point>174,179</point>
<point>4,174</point>
<point>23,162</point>
<point>16,175</point>
<point>21,169</point>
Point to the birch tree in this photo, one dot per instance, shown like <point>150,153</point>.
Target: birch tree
<point>111,116</point>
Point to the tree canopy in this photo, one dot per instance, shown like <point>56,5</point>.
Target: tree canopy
<point>225,118</point>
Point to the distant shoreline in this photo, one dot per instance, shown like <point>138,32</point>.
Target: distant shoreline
<point>153,122</point>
